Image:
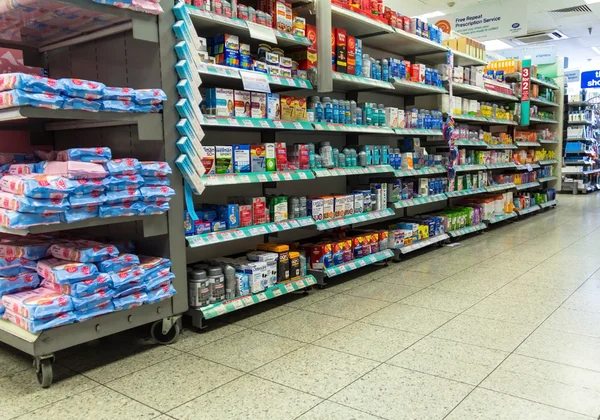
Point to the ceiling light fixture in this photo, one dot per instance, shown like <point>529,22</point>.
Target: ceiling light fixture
<point>437,13</point>
<point>592,1</point>
<point>496,44</point>
<point>596,50</point>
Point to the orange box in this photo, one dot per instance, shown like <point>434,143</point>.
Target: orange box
<point>328,207</point>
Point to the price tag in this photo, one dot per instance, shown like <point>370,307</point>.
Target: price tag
<point>226,236</point>
<point>261,297</point>
<point>319,127</point>
<point>257,230</point>
<point>238,304</point>
<point>212,238</point>
<point>247,300</point>
<point>285,225</point>
<point>302,175</point>
<point>304,222</point>
<point>278,124</point>
<point>342,268</point>
<point>272,228</point>
<point>362,263</point>
<point>277,292</point>
<point>243,179</point>
<point>529,168</point>
<point>302,83</point>
<point>248,123</point>
<point>221,309</point>
<point>262,177</point>
<point>255,81</point>
<point>290,81</point>
<point>298,126</point>
<point>238,234</point>
<point>294,223</point>
<point>220,70</point>
<point>233,122</point>
<point>264,124</point>
<point>287,176</point>
<point>289,287</point>
<point>261,32</point>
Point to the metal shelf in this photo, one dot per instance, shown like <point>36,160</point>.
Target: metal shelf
<point>544,102</point>
<point>420,172</point>
<point>351,128</point>
<point>256,177</point>
<point>470,143</point>
<point>544,83</point>
<point>501,165</point>
<point>543,120</point>
<point>460,59</point>
<point>501,187</point>
<point>422,244</point>
<point>477,92</point>
<point>528,210</point>
<point>346,267</point>
<point>483,120</point>
<point>417,132</point>
<point>369,170</point>
<point>547,179</point>
<point>463,193</point>
<point>405,87</point>
<point>466,230</point>
<point>468,168</point>
<point>579,122</point>
<point>549,204</point>
<point>419,201</point>
<point>521,187</point>
<point>353,219</point>
<point>501,218</point>
<point>548,141</point>
<point>246,123</point>
<point>343,82</point>
<point>229,77</point>
<point>527,144</point>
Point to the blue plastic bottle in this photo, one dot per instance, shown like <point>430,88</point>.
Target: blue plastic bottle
<point>318,112</point>
<point>336,112</point>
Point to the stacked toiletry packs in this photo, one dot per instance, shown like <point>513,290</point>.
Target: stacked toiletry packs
<point>20,89</point>
<point>80,279</point>
<point>79,184</point>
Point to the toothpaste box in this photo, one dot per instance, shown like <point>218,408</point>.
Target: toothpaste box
<point>257,158</point>
<point>223,159</point>
<point>241,100</point>
<point>258,105</point>
<point>241,158</point>
<point>273,106</point>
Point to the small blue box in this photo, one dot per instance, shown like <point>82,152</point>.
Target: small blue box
<point>218,225</point>
<point>208,215</point>
<point>201,227</point>
<point>231,214</point>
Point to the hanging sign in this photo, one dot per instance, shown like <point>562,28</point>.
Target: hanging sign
<point>255,82</point>
<point>262,32</point>
<point>525,90</point>
<point>488,21</point>
<point>539,55</point>
<point>590,79</point>
<point>572,75</point>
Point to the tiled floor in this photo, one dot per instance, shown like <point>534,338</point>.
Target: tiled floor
<point>506,326</point>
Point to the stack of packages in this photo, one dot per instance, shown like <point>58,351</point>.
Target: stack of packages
<point>83,279</point>
<point>20,89</point>
<point>79,184</point>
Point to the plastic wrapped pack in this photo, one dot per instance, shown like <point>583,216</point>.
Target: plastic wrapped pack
<point>76,214</point>
<point>149,209</point>
<point>152,265</point>
<point>146,109</point>
<point>2,309</point>
<point>13,266</point>
<point>86,154</point>
<point>86,303</point>
<point>125,196</point>
<point>118,106</point>
<point>83,251</point>
<point>119,93</point>
<point>15,220</point>
<point>24,169</point>
<point>145,6</point>
<point>161,293</point>
<point>158,279</point>
<point>149,96</point>
<point>156,181</point>
<point>86,89</point>
<point>29,83</point>
<point>130,301</point>
<point>36,325</point>
<point>129,289</point>
<point>151,194</point>
<point>154,169</point>
<point>24,204</point>
<point>14,98</point>
<point>128,166</point>
<point>38,303</point>
<point>65,272</point>
<point>129,277</point>
<point>100,309</point>
<point>30,248</point>
<point>75,170</point>
<point>88,186</point>
<point>23,281</point>
<point>101,283</point>
<point>37,186</point>
<point>119,263</point>
<point>95,199</point>
<point>119,210</point>
<point>81,104</point>
<point>124,182</point>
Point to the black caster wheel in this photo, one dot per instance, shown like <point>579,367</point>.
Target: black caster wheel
<point>305,293</point>
<point>44,372</point>
<point>169,338</point>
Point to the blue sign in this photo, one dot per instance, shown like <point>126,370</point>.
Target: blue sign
<point>590,79</point>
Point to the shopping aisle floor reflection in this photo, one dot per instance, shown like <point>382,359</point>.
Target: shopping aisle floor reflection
<point>506,326</point>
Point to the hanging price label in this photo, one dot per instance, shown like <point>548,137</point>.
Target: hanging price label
<point>255,81</point>
<point>264,124</point>
<point>261,32</point>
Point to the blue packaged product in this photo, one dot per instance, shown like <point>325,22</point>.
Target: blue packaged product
<point>25,168</point>
<point>86,154</point>
<point>86,89</point>
<point>184,71</point>
<point>149,96</point>
<point>129,289</point>
<point>38,303</point>
<point>158,278</point>
<point>155,181</point>
<point>100,309</point>
<point>83,250</point>
<point>118,106</point>
<point>31,205</point>
<point>231,214</point>
<point>124,182</point>
<point>30,83</point>
<point>146,109</point>
<point>13,266</point>
<point>160,293</point>
<point>152,265</point>
<point>81,104</point>
<point>36,325</point>
<point>128,166</point>
<point>124,196</point>
<point>102,282</point>
<point>130,301</point>
<point>187,90</point>
<point>149,168</point>
<point>15,220</point>
<point>2,309</point>
<point>119,263</point>
<point>88,186</point>
<point>87,303</point>
<point>32,249</point>
<point>37,186</point>
<point>154,208</point>
<point>118,210</point>
<point>84,200</point>
<point>12,98</point>
<point>76,214</point>
<point>128,277</point>
<point>118,93</point>
<point>153,194</point>
<point>65,272</point>
<point>20,282</point>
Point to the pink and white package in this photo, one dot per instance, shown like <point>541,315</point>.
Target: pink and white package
<point>30,248</point>
<point>75,170</point>
<point>37,186</point>
<point>83,251</point>
<point>101,283</point>
<point>24,204</point>
<point>65,272</point>
<point>36,325</point>
<point>38,303</point>
<point>160,293</point>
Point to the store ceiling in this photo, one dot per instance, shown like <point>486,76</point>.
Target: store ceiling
<point>577,47</point>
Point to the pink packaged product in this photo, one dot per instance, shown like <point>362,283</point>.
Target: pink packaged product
<point>85,154</point>
<point>102,282</point>
<point>36,325</point>
<point>119,263</point>
<point>75,214</point>
<point>37,186</point>
<point>65,272</point>
<point>125,278</point>
<point>124,182</point>
<point>30,248</point>
<point>15,220</point>
<point>83,251</point>
<point>89,302</point>
<point>38,303</point>
<point>13,266</point>
<point>75,170</point>
<point>128,166</point>
<point>144,6</point>
<point>100,309</point>
<point>29,83</point>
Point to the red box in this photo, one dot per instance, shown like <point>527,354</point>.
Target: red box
<point>351,51</point>
<point>306,57</point>
<point>281,156</point>
<point>340,51</point>
<point>333,49</point>
<point>246,216</point>
<point>406,23</point>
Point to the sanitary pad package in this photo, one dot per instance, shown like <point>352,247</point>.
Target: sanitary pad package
<point>75,214</point>
<point>124,182</point>
<point>127,277</point>
<point>83,251</point>
<point>90,154</point>
<point>11,266</point>
<point>124,196</point>
<point>157,207</point>
<point>155,181</point>
<point>75,170</point>
<point>98,284</point>
<point>152,265</point>
<point>149,96</point>
<point>151,194</point>
<point>130,301</point>
<point>29,83</point>
<point>96,198</point>
<point>15,220</point>
<point>127,166</point>
<point>160,293</point>
<point>37,186</point>
<point>86,89</point>
<point>159,279</point>
<point>65,272</point>
<point>88,186</point>
<point>119,263</point>
<point>82,104</point>
<point>124,209</point>
<point>119,93</point>
<point>32,205</point>
<point>119,106</point>
<point>37,325</point>
<point>155,169</point>
<point>30,248</point>
<point>89,302</point>
<point>100,309</point>
<point>20,282</point>
<point>38,303</point>
<point>13,98</point>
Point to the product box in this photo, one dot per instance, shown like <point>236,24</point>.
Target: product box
<point>258,105</point>
<point>407,160</point>
<point>278,209</point>
<point>241,100</point>
<point>245,216</point>
<point>298,26</point>
<point>293,108</point>
<point>218,225</point>
<point>306,57</point>
<point>223,103</point>
<point>337,253</point>
<point>280,18</point>
<point>328,207</point>
<point>223,159</point>
<point>348,205</point>
<point>351,51</point>
<point>230,213</point>
<point>358,203</point>
<point>241,158</point>
<point>208,161</point>
<point>259,210</point>
<point>285,62</point>
<point>357,246</point>
<point>257,158</point>
<point>273,70</point>
<point>338,206</point>
<point>320,256</point>
<point>272,59</point>
<point>340,51</point>
<point>281,162</point>
<point>270,157</point>
<point>391,116</point>
<point>358,57</point>
<point>401,118</point>
<point>314,208</point>
<point>273,106</point>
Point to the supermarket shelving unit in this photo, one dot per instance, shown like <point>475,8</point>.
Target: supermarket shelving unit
<point>135,52</point>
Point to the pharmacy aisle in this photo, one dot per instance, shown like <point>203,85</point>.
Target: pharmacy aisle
<point>455,331</point>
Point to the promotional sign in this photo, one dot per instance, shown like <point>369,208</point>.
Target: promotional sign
<point>590,79</point>
<point>488,21</point>
<point>539,55</point>
<point>525,90</point>
<point>572,75</point>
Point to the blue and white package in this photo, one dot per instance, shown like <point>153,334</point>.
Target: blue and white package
<point>118,210</point>
<point>102,282</point>
<point>83,251</point>
<point>146,109</point>
<point>184,164</point>
<point>65,272</point>
<point>119,263</point>
<point>124,182</point>
<point>184,70</point>
<point>38,303</point>
<point>152,265</point>
<point>30,248</point>
<point>86,154</point>
<point>22,281</point>
<point>30,83</point>
<point>188,91</point>
<point>89,186</point>
<point>157,207</point>
<point>11,266</point>
<point>24,169</point>
<point>130,301</point>
<point>76,214</point>
<point>162,277</point>
<point>189,36</point>
<point>187,110</point>
<point>181,12</point>
<point>87,303</point>
<point>84,200</point>
<point>129,289</point>
<point>153,194</point>
<point>2,309</point>
<point>36,325</point>
<point>32,205</point>
<point>152,168</point>
<point>150,96</point>
<point>118,106</point>
<point>160,293</point>
<point>185,52</point>
<point>128,277</point>
<point>37,186</point>
<point>128,166</point>
<point>82,104</point>
<point>155,181</point>
<point>15,220</point>
<point>12,98</point>
<point>119,93</point>
<point>86,89</point>
<point>124,196</point>
<point>195,152</point>
<point>100,309</point>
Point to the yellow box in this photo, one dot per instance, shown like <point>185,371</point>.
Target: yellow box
<point>292,108</point>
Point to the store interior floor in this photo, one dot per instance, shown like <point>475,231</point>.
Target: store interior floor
<point>505,326</point>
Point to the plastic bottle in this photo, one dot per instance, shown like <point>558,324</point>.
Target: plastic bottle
<point>230,283</point>
<point>318,161</point>
<point>199,291</point>
<point>319,113</point>
<point>379,197</point>
<point>353,112</point>
<point>328,107</point>
<point>347,113</point>
<point>216,282</point>
<point>310,115</point>
<point>342,160</point>
<point>381,115</point>
<point>336,112</point>
<point>326,153</point>
<point>311,155</point>
<point>303,209</point>
<point>336,157</point>
<point>302,263</point>
<point>369,152</point>
<point>385,70</point>
<point>342,111</point>
<point>353,157</point>
<point>362,159</point>
<point>385,155</point>
<point>376,155</point>
<point>359,116</point>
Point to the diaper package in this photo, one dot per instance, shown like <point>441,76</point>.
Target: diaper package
<point>119,93</point>
<point>15,97</point>
<point>89,154</point>
<point>23,281</point>
<point>129,277</point>
<point>100,283</point>
<point>15,220</point>
<point>82,200</point>
<point>125,196</point>
<point>76,214</point>
<point>65,272</point>
<point>75,170</point>
<point>36,325</point>
<point>155,181</point>
<point>30,248</point>
<point>149,96</point>
<point>154,169</point>
<point>86,89</point>
<point>88,186</point>
<point>100,309</point>
<point>130,301</point>
<point>151,194</point>
<point>124,182</point>
<point>154,208</point>
<point>119,263</point>
<point>29,83</point>
<point>83,251</point>
<point>37,186</point>
<point>82,104</point>
<point>24,204</point>
<point>89,302</point>
<point>13,266</point>
<point>118,210</point>
<point>127,166</point>
<point>160,293</point>
<point>38,303</point>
